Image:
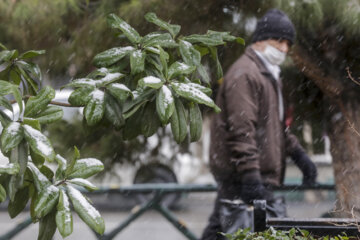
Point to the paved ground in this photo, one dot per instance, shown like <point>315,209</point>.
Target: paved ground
<point>193,210</point>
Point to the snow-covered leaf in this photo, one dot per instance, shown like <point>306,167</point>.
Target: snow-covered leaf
<point>95,108</point>
<point>38,103</point>
<point>117,23</point>
<point>86,211</point>
<point>203,89</point>
<point>178,122</point>
<point>50,114</point>
<point>119,91</point>
<point>85,168</point>
<point>179,68</point>
<point>151,81</point>
<point>172,28</point>
<point>46,201</point>
<point>111,56</point>
<point>158,39</point>
<point>195,122</point>
<point>189,54</point>
<point>137,61</point>
<point>39,143</point>
<point>64,219</point>
<point>9,168</point>
<point>83,183</point>
<point>41,182</point>
<point>164,104</point>
<point>81,96</point>
<point>109,78</point>
<point>207,39</point>
<point>11,136</point>
<point>194,94</point>
<point>82,82</point>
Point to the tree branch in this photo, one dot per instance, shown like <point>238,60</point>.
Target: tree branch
<point>329,85</point>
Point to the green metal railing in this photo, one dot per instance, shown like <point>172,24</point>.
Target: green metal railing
<point>154,203</point>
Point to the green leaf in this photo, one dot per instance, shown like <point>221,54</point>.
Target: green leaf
<point>34,123</point>
<point>18,97</point>
<point>151,81</point>
<point>9,168</point>
<point>11,136</point>
<point>83,183</point>
<point>7,55</point>
<point>208,40</point>
<point>173,29</point>
<point>38,103</point>
<point>85,168</point>
<point>119,91</point>
<point>95,108</point>
<point>18,157</point>
<point>31,72</point>
<point>226,36</point>
<point>201,88</point>
<point>137,61</point>
<point>46,201</point>
<point>4,102</point>
<point>60,172</point>
<point>47,226</point>
<point>3,46</point>
<point>40,180</point>
<point>192,93</point>
<point>50,114</point>
<point>48,173</point>
<point>150,121</point>
<point>158,39</point>
<point>86,211</point>
<point>139,99</point>
<point>113,111</point>
<point>203,73</point>
<point>31,54</point>
<point>117,23</point>
<point>82,82</point>
<point>20,200</point>
<point>164,104</point>
<point>195,122</point>
<point>3,194</point>
<point>214,55</point>
<point>39,143</point>
<point>81,96</point>
<point>178,68</point>
<point>189,54</point>
<point>64,219</point>
<point>111,56</point>
<point>240,41</point>
<point>4,119</point>
<point>132,126</point>
<point>5,88</point>
<point>164,58</point>
<point>71,163</point>
<point>178,122</point>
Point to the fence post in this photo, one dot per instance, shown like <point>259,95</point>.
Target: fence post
<point>259,220</point>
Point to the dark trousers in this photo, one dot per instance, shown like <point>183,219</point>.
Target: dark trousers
<point>232,191</point>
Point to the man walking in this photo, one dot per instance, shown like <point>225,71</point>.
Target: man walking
<point>249,141</point>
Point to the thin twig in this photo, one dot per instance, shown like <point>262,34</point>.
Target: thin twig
<point>351,77</point>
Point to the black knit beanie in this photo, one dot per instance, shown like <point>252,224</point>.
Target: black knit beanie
<point>275,24</point>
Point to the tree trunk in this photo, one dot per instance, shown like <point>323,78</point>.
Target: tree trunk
<point>345,150</point>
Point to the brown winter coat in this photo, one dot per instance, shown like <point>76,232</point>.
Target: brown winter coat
<point>248,133</point>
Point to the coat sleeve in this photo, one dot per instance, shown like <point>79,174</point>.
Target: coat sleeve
<point>242,106</point>
<point>292,143</point>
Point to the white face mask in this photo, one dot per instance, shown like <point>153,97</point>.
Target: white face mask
<point>273,55</point>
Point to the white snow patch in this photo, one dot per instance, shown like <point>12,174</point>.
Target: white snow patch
<point>86,81</point>
<point>42,143</point>
<point>168,97</point>
<point>77,196</point>
<point>97,95</point>
<point>90,162</point>
<point>151,80</point>
<point>120,87</point>
<point>13,128</point>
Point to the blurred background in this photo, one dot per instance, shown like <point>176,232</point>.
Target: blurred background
<point>73,31</point>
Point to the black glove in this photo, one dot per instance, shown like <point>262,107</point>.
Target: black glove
<point>306,166</point>
<point>252,187</point>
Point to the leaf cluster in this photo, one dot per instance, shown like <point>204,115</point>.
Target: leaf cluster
<point>158,79</point>
<point>27,177</point>
<point>273,234</point>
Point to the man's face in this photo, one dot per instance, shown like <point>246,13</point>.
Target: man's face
<point>282,45</point>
